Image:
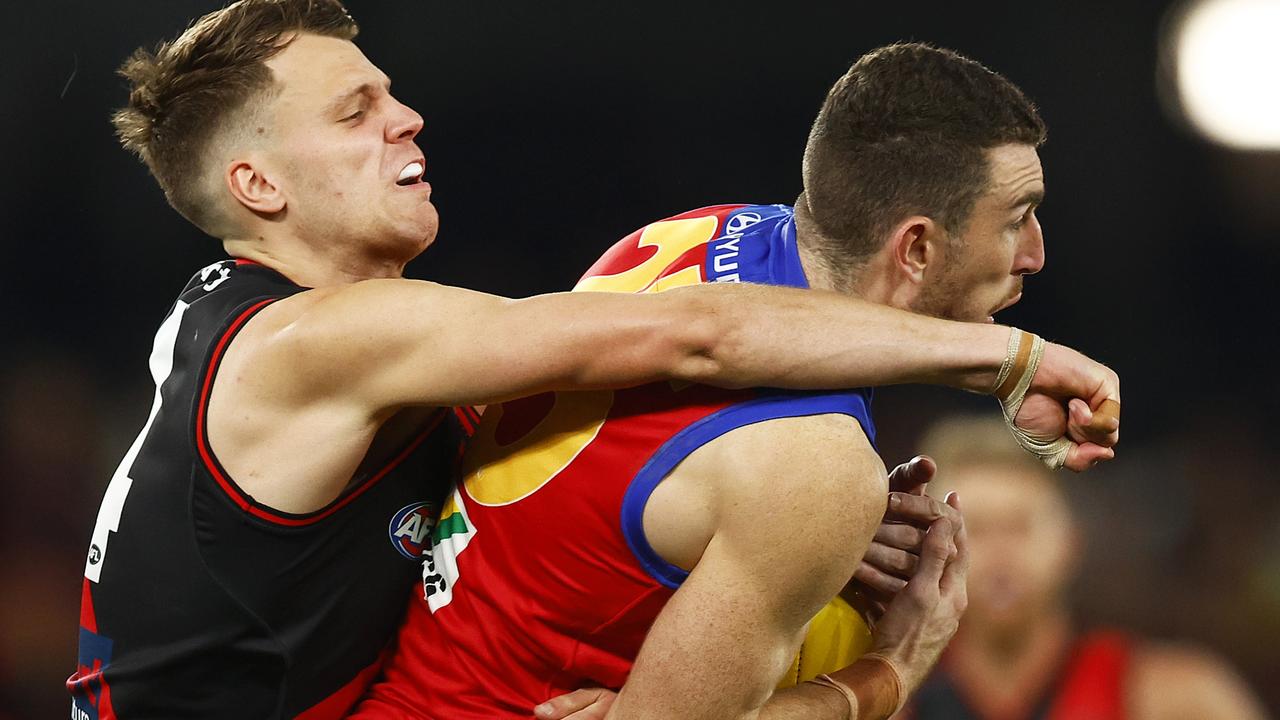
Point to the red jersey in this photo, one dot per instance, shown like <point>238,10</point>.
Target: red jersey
<point>540,579</point>
<point>1090,685</point>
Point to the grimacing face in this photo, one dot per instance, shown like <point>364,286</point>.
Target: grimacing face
<point>340,143</point>
<point>983,268</point>
<point>1022,541</point>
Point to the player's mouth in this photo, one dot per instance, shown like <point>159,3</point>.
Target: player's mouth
<point>411,175</point>
<point>1006,304</point>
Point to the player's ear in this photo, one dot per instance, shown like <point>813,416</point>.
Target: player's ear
<point>254,188</point>
<point>914,244</point>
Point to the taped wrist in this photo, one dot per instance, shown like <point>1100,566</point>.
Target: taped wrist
<point>872,686</point>
<point>1021,361</point>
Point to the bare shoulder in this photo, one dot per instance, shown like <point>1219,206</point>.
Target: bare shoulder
<point>822,456</point>
<point>284,444</point>
<point>816,471</point>
<point>260,351</point>
<point>313,346</point>
<point>1170,680</point>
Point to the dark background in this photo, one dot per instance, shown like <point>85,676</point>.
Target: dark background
<point>554,128</point>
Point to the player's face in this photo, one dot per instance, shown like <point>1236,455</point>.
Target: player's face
<point>1022,544</point>
<point>340,147</point>
<point>982,271</point>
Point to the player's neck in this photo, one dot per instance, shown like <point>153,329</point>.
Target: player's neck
<point>1007,647</point>
<point>822,273</point>
<point>1009,670</point>
<point>311,265</point>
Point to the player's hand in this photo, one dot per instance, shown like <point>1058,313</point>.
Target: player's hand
<point>1065,396</point>
<point>894,553</point>
<point>585,704</point>
<point>925,614</point>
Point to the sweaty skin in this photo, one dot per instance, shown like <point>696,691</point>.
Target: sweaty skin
<point>318,384</point>
<point>772,519</point>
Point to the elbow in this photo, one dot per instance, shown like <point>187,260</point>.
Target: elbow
<point>701,337</point>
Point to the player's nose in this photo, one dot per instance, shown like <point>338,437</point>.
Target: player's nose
<point>404,123</point>
<point>1030,254</point>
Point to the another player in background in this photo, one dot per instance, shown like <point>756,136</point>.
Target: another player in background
<point>1019,654</point>
<point>253,549</point>
<point>679,538</point>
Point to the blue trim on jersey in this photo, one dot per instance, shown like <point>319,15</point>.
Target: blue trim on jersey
<point>775,405</point>
<point>757,244</point>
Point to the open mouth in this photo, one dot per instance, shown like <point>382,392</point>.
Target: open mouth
<point>411,174</point>
<point>1005,305</point>
<point>1008,303</point>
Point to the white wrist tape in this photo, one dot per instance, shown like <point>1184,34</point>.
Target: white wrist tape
<point>1020,365</point>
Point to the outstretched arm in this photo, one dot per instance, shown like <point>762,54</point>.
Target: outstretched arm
<point>404,342</point>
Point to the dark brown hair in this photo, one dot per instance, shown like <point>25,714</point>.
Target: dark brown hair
<point>905,132</point>
<point>189,89</point>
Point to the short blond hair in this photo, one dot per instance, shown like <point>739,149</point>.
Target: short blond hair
<point>211,80</point>
<point>966,441</point>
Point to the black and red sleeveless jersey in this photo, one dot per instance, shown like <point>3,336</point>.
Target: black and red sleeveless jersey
<point>1090,685</point>
<point>199,602</point>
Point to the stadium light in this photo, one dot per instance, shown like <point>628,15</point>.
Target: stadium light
<point>1227,71</point>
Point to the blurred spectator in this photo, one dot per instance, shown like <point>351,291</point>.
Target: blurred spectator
<point>1020,653</point>
<point>49,460</point>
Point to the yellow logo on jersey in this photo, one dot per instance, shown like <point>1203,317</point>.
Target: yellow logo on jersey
<point>672,238</point>
<point>498,474</point>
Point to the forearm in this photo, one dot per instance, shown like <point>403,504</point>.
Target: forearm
<point>865,690</point>
<point>803,339</point>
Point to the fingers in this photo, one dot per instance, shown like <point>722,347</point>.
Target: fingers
<point>900,536</point>
<point>911,476</point>
<point>1101,427</point>
<point>585,704</point>
<point>1092,389</point>
<point>954,577</point>
<point>962,534</point>
<point>891,560</point>
<point>919,509</point>
<point>1083,456</point>
<point>939,546</point>
<point>881,584</point>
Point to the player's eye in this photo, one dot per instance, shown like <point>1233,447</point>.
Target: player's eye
<point>354,116</point>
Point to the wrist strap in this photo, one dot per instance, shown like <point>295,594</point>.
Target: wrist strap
<point>880,684</point>
<point>1020,364</point>
<point>900,688</point>
<point>849,696</point>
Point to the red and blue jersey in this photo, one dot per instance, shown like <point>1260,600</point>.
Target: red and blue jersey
<point>541,579</point>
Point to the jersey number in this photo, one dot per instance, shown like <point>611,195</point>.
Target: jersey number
<point>161,364</point>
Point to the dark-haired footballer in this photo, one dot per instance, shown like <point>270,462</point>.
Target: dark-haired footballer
<point>253,549</point>
<point>674,540</point>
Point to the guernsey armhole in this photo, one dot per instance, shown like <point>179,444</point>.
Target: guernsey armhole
<point>233,491</point>
<point>774,406</point>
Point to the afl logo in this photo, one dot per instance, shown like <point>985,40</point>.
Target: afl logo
<point>410,529</point>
